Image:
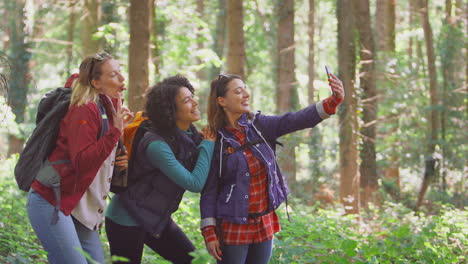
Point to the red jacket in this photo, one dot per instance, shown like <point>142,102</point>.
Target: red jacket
<point>78,142</point>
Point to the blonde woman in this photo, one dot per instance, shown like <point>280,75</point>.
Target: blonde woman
<point>83,159</point>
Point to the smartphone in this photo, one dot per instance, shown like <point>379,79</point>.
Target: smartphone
<point>328,70</point>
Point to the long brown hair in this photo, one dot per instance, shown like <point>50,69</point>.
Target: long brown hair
<point>90,69</point>
<point>216,114</point>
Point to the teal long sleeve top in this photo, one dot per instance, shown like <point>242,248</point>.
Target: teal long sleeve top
<point>161,156</point>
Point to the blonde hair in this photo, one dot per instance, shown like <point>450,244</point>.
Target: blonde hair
<point>83,94</point>
<point>83,91</point>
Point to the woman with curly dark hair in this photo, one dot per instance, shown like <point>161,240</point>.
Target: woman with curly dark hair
<point>172,157</point>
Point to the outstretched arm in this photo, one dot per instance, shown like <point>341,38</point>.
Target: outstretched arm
<point>277,126</point>
<point>161,156</point>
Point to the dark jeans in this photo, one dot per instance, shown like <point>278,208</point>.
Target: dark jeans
<point>128,241</point>
<point>255,253</point>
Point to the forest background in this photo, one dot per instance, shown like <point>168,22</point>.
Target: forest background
<point>384,181</point>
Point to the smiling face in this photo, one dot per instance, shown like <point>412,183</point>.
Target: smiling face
<point>111,81</point>
<point>186,108</point>
<point>236,100</point>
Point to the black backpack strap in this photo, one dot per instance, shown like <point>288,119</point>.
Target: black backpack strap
<point>144,127</point>
<point>104,118</point>
<point>248,144</point>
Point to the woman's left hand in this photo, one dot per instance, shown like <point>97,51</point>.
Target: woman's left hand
<point>208,134</point>
<point>331,103</point>
<point>121,160</point>
<point>337,87</point>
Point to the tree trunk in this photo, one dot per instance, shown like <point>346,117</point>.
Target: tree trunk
<point>311,71</point>
<point>202,72</point>
<point>411,39</point>
<point>139,52</point>
<point>385,51</point>
<point>235,29</point>
<point>157,36</point>
<point>286,61</point>
<point>349,171</point>
<point>431,160</point>
<point>448,78</point>
<point>200,12</point>
<point>19,78</point>
<point>434,100</point>
<point>91,22</point>
<point>315,142</point>
<point>219,36</point>
<point>462,12</point>
<point>385,25</point>
<point>368,168</point>
<point>286,84</point>
<point>71,38</point>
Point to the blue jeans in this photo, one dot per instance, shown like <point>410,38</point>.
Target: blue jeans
<point>63,240</point>
<point>255,253</point>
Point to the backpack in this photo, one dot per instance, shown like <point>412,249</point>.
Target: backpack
<point>51,110</point>
<point>131,130</point>
<point>32,163</point>
<point>132,135</point>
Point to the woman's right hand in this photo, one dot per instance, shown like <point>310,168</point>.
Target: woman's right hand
<point>208,134</point>
<point>214,249</point>
<point>122,115</point>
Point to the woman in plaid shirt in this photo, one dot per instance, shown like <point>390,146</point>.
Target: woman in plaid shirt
<point>245,185</point>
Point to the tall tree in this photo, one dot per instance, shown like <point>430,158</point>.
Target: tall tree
<point>411,23</point>
<point>139,52</point>
<point>368,167</point>
<point>286,81</point>
<point>349,170</point>
<point>219,36</point>
<point>316,157</point>
<point>91,22</point>
<point>236,42</point>
<point>70,34</point>
<point>451,45</point>
<point>286,61</point>
<point>385,49</point>
<point>19,78</point>
<point>385,25</point>
<point>202,71</point>
<point>311,69</point>
<point>431,160</point>
<point>157,35</point>
<point>200,13</point>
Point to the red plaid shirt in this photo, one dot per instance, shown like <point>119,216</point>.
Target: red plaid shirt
<point>257,230</point>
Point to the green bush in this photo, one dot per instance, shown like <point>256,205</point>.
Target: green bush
<point>391,233</point>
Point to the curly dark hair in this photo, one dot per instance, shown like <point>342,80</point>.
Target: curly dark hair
<point>161,103</point>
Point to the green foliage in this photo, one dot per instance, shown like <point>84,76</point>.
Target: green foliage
<point>389,234</point>
<point>18,243</point>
